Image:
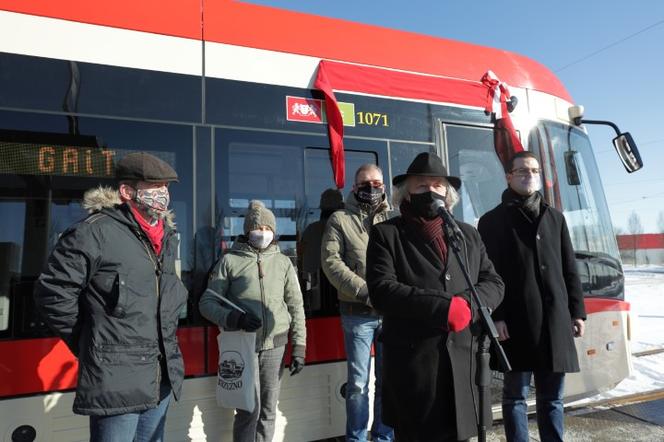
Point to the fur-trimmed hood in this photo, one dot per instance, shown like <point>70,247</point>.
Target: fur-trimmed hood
<point>104,197</point>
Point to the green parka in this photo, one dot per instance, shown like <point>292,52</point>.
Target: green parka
<point>263,282</point>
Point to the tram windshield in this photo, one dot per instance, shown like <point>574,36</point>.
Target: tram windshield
<point>573,184</point>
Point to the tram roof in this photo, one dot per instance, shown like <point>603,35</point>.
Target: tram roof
<point>262,27</point>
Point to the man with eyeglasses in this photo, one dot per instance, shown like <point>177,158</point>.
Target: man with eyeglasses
<point>343,259</point>
<point>529,244</point>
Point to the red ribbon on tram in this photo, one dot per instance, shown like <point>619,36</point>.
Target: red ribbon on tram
<point>335,126</point>
<point>505,139</point>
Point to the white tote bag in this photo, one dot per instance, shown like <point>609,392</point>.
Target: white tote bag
<point>236,373</point>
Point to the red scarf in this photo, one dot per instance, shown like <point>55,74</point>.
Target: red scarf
<point>431,230</point>
<point>155,233</point>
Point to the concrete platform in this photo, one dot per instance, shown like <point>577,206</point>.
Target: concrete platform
<point>606,422</point>
<point>635,422</point>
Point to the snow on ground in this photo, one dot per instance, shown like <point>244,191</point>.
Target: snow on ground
<point>644,290</point>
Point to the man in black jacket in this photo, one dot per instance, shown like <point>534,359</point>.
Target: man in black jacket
<point>543,309</point>
<point>111,292</point>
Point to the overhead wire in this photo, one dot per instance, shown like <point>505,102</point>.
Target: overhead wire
<point>641,198</point>
<point>592,54</point>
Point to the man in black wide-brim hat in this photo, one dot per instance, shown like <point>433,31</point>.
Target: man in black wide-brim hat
<point>429,340</point>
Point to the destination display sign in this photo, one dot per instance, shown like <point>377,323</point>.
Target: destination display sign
<point>41,159</point>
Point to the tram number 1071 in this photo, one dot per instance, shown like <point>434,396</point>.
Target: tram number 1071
<point>372,119</point>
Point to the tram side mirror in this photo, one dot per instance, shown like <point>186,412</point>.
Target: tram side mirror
<point>628,152</point>
<point>571,168</point>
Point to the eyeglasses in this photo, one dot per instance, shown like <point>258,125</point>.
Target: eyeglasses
<point>523,171</point>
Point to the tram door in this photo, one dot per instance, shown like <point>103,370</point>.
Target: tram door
<point>288,173</point>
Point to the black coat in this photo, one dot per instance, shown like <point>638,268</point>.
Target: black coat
<point>542,287</point>
<point>428,374</point>
<point>116,306</point>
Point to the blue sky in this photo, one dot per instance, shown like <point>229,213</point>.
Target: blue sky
<point>624,83</point>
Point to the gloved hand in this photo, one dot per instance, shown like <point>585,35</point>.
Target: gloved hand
<point>458,316</point>
<point>249,322</point>
<point>296,365</point>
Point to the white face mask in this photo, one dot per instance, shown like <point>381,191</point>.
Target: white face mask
<point>526,185</point>
<point>260,239</point>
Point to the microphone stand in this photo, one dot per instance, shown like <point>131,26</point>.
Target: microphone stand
<point>487,336</point>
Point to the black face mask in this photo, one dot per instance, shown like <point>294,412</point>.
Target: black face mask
<point>422,204</point>
<point>369,195</point>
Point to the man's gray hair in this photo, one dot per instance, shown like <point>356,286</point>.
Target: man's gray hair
<point>367,167</point>
<point>400,192</point>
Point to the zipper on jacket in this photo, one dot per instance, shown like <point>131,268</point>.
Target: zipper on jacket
<point>159,336</point>
<point>260,281</point>
<point>156,262</point>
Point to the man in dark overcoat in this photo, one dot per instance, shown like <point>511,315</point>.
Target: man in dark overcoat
<point>429,337</point>
<point>543,310</point>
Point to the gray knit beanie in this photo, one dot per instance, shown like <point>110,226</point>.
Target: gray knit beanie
<point>259,215</point>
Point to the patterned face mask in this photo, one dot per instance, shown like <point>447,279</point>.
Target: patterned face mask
<point>370,195</point>
<point>153,199</point>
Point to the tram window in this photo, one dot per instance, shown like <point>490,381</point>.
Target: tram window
<point>42,83</point>
<point>549,175</point>
<point>288,174</point>
<point>41,188</point>
<point>256,166</point>
<point>318,172</point>
<point>586,212</point>
<point>402,154</point>
<point>11,236</point>
<point>472,156</point>
<point>261,171</point>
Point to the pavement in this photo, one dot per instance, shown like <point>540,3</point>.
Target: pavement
<point>642,421</point>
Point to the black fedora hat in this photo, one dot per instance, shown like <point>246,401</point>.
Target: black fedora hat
<point>428,164</point>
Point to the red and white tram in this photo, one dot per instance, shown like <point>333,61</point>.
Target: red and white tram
<point>224,91</point>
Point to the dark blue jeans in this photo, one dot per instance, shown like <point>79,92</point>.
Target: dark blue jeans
<point>143,426</point>
<point>359,333</point>
<point>549,399</point>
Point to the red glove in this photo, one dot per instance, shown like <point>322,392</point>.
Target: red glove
<point>458,317</point>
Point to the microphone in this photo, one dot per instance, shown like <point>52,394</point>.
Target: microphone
<point>439,205</point>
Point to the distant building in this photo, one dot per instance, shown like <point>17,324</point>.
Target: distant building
<point>642,249</point>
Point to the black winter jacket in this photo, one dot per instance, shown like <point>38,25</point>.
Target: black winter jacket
<point>116,305</point>
<point>429,391</point>
<point>542,287</point>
